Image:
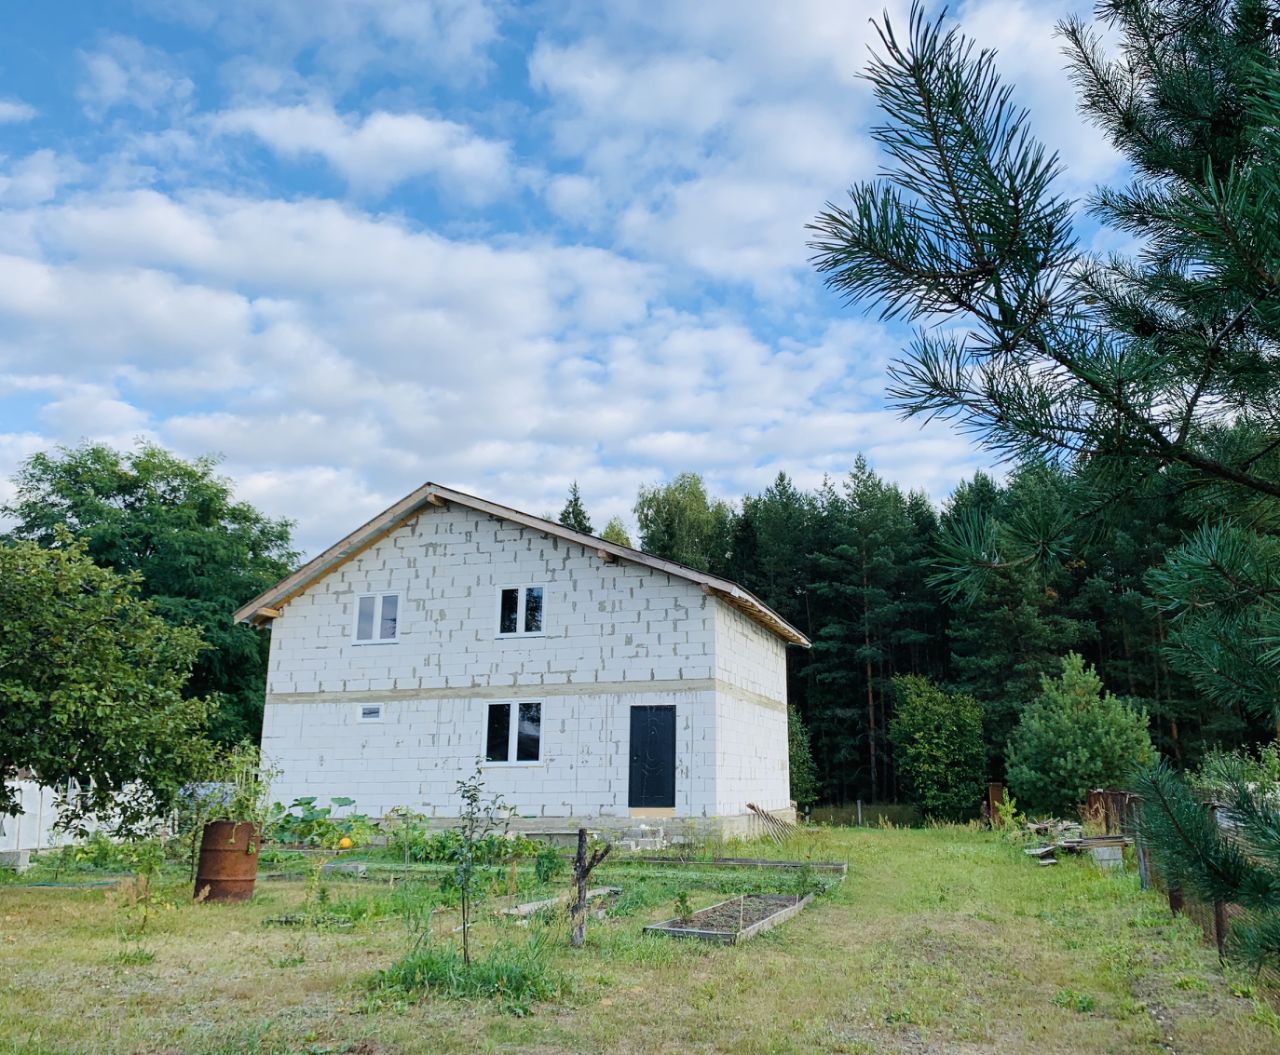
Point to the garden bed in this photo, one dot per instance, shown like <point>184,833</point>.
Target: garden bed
<point>735,920</point>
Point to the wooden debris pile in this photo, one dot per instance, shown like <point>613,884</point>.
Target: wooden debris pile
<point>778,829</point>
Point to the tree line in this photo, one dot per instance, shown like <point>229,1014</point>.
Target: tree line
<point>856,564</point>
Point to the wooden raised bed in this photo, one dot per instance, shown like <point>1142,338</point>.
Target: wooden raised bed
<point>840,868</point>
<point>735,920</point>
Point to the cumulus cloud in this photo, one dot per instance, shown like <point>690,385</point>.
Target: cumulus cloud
<point>381,150</point>
<point>14,112</point>
<point>36,177</point>
<point>444,39</point>
<point>124,72</point>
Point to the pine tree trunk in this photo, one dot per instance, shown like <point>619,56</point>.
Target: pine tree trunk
<point>871,698</point>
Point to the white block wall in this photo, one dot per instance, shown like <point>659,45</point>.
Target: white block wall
<point>605,625</point>
<point>416,754</point>
<point>604,622</point>
<point>751,715</point>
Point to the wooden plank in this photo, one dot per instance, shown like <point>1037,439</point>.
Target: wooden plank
<point>837,867</point>
<point>530,907</point>
<point>770,922</point>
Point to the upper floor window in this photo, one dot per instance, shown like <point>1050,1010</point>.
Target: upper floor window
<point>520,610</point>
<point>377,617</point>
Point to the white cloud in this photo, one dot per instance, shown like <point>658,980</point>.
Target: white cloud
<point>124,72</point>
<point>14,111</point>
<point>1030,58</point>
<point>36,177</point>
<point>432,39</point>
<point>352,357</point>
<point>380,151</point>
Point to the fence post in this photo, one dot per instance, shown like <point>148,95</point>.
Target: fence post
<point>1134,810</point>
<point>859,813</point>
<point>995,799</point>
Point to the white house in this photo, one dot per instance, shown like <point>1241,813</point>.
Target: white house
<point>591,681</point>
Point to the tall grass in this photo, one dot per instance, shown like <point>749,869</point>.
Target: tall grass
<point>515,974</point>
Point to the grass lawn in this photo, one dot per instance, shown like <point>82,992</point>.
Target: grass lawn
<point>939,940</point>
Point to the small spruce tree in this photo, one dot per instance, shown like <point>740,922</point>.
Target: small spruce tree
<point>941,756</point>
<point>574,513</point>
<point>1072,738</point>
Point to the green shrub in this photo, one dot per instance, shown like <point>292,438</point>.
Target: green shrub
<point>411,839</point>
<point>941,757</point>
<point>1072,738</point>
<point>804,773</point>
<point>547,862</point>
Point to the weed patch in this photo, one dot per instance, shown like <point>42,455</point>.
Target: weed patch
<point>515,974</point>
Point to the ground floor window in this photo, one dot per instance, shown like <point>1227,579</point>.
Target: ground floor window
<point>514,741</point>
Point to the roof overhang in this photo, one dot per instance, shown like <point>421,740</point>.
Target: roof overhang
<point>269,604</point>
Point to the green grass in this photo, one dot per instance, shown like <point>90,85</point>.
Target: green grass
<point>939,939</point>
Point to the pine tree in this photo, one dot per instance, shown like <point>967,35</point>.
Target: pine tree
<point>1224,851</point>
<point>1162,368</point>
<point>574,513</point>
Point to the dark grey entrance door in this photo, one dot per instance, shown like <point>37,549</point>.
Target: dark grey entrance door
<point>653,757</point>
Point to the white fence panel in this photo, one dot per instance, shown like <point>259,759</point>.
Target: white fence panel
<point>33,828</point>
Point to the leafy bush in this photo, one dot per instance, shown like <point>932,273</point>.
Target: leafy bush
<point>547,862</point>
<point>410,839</point>
<point>1074,737</point>
<point>804,773</point>
<point>304,823</point>
<point>941,757</point>
<point>516,974</point>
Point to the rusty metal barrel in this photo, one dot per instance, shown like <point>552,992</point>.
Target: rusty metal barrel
<point>228,861</point>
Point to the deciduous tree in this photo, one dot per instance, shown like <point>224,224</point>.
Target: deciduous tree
<point>92,684</point>
<point>199,554</point>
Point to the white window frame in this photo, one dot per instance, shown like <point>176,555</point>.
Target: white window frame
<point>363,718</point>
<point>378,596</point>
<point>521,602</point>
<point>513,733</point>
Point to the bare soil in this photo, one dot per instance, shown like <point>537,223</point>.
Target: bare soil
<point>739,913</point>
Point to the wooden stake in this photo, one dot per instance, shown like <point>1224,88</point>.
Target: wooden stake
<point>1220,929</point>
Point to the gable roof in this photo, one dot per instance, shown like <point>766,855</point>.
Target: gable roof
<point>266,606</point>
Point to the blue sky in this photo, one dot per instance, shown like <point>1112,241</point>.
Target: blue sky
<point>356,245</point>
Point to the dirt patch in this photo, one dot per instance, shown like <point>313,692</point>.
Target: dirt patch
<point>740,913</point>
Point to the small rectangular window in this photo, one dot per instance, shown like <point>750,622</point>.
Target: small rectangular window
<point>371,712</point>
<point>510,603</point>
<point>518,741</point>
<point>497,743</point>
<point>533,610</point>
<point>520,610</point>
<point>377,617</point>
<point>387,620</point>
<point>364,619</point>
<point>529,732</point>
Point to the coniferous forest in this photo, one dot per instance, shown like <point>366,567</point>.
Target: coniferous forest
<point>857,565</point>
